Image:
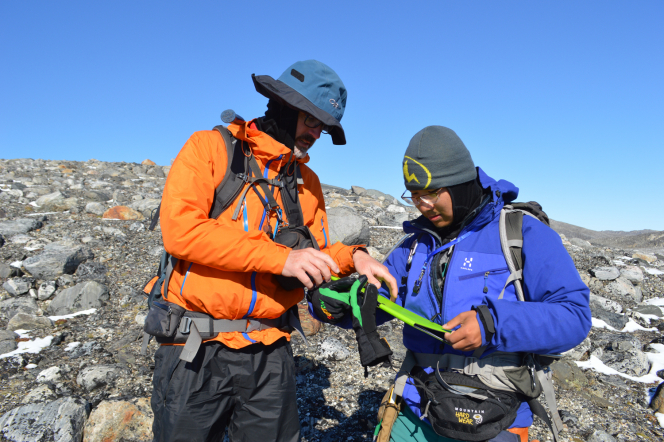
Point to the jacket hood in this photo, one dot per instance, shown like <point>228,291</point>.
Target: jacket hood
<point>502,192</point>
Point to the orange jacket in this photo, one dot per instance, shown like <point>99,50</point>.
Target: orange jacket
<point>226,268</point>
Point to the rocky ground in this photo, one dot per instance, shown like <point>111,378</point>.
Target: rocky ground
<point>72,277</point>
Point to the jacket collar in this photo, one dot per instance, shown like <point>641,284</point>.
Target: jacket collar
<point>263,146</point>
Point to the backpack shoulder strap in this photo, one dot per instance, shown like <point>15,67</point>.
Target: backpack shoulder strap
<point>511,242</point>
<point>236,174</point>
<point>291,176</point>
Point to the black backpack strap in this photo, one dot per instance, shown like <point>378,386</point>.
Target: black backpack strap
<point>235,177</point>
<point>539,411</point>
<point>290,176</point>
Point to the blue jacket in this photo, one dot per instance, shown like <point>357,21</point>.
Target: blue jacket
<point>555,318</point>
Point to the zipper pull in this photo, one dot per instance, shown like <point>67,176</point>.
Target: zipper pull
<point>418,283</point>
<point>486,276</point>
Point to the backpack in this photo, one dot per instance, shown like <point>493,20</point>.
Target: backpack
<point>536,374</point>
<point>170,323</point>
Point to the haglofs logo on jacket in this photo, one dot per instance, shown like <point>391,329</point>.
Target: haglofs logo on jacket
<point>467,264</point>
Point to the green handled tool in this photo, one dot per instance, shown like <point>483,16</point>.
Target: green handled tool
<point>414,320</point>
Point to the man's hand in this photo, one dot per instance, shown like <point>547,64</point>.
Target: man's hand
<point>375,272</point>
<point>309,262</point>
<point>468,336</point>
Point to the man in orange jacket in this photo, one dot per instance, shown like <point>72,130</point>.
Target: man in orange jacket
<point>227,267</point>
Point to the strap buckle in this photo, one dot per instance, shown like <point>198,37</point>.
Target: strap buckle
<point>185,325</point>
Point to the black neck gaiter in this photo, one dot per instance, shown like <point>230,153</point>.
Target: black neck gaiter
<point>466,197</point>
<point>279,122</point>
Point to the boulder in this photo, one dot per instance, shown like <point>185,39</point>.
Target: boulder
<point>632,273</point>
<point>578,352</point>
<point>46,289</point>
<point>657,402</point>
<point>333,350</point>
<point>92,271</point>
<point>622,352</point>
<point>21,225</point>
<point>347,226</point>
<point>600,436</point>
<point>97,196</point>
<point>7,341</point>
<point>649,310</point>
<point>57,258</point>
<point>83,296</point>
<point>647,257</point>
<point>621,287</point>
<point>24,321</point>
<point>60,420</point>
<point>12,306</point>
<point>120,421</point>
<point>605,273</point>
<point>17,286</point>
<point>148,162</point>
<point>394,219</point>
<point>95,208</point>
<point>50,198</point>
<point>145,206</point>
<point>51,374</point>
<point>99,375</point>
<point>605,304</point>
<point>41,393</point>
<point>357,190</point>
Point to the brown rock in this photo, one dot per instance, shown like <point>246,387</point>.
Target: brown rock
<point>148,163</point>
<point>310,325</point>
<point>122,212</point>
<point>120,420</point>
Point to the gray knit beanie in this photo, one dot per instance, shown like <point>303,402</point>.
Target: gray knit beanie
<point>436,157</point>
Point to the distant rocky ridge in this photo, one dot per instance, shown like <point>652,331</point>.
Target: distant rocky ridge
<point>646,240</point>
<point>75,252</point>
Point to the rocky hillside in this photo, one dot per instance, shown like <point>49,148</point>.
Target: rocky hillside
<point>645,240</point>
<point>75,252</point>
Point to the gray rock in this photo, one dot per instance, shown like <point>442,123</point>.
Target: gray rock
<point>615,320</point>
<point>395,208</point>
<point>51,374</point>
<point>622,352</point>
<point>99,375</point>
<point>21,225</point>
<point>92,271</point>
<point>577,352</point>
<point>633,274</point>
<point>649,310</point>
<point>605,303</point>
<point>24,321</point>
<point>57,258</point>
<point>605,273</point>
<point>145,206</point>
<point>95,208</point>
<point>136,227</point>
<point>347,226</point>
<point>46,289</point>
<point>600,436</point>
<point>6,271</point>
<point>6,335</point>
<point>621,287</point>
<point>50,198</point>
<point>40,393</point>
<point>17,286</point>
<point>97,196</point>
<point>12,306</point>
<point>392,219</point>
<point>83,296</point>
<point>332,349</point>
<point>7,346</point>
<point>357,190</point>
<point>60,421</point>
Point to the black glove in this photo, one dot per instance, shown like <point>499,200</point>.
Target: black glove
<point>364,301</point>
<point>331,301</point>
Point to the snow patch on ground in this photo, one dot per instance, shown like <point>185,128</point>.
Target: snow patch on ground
<point>84,312</point>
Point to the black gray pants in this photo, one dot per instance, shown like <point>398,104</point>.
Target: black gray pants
<point>251,391</point>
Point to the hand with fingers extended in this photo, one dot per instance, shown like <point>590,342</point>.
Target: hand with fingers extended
<point>309,266</point>
<point>375,272</point>
<point>468,336</point>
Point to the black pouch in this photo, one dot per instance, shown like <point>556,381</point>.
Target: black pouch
<point>463,407</point>
<point>163,319</point>
<point>296,238</point>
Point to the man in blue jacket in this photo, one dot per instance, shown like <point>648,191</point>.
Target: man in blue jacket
<point>452,271</point>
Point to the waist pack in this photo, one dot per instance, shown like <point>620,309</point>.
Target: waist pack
<point>463,407</point>
<point>171,324</point>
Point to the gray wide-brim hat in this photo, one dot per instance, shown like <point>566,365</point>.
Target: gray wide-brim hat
<point>436,157</point>
<point>312,87</point>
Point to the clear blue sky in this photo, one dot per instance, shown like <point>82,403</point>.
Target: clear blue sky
<point>563,98</point>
